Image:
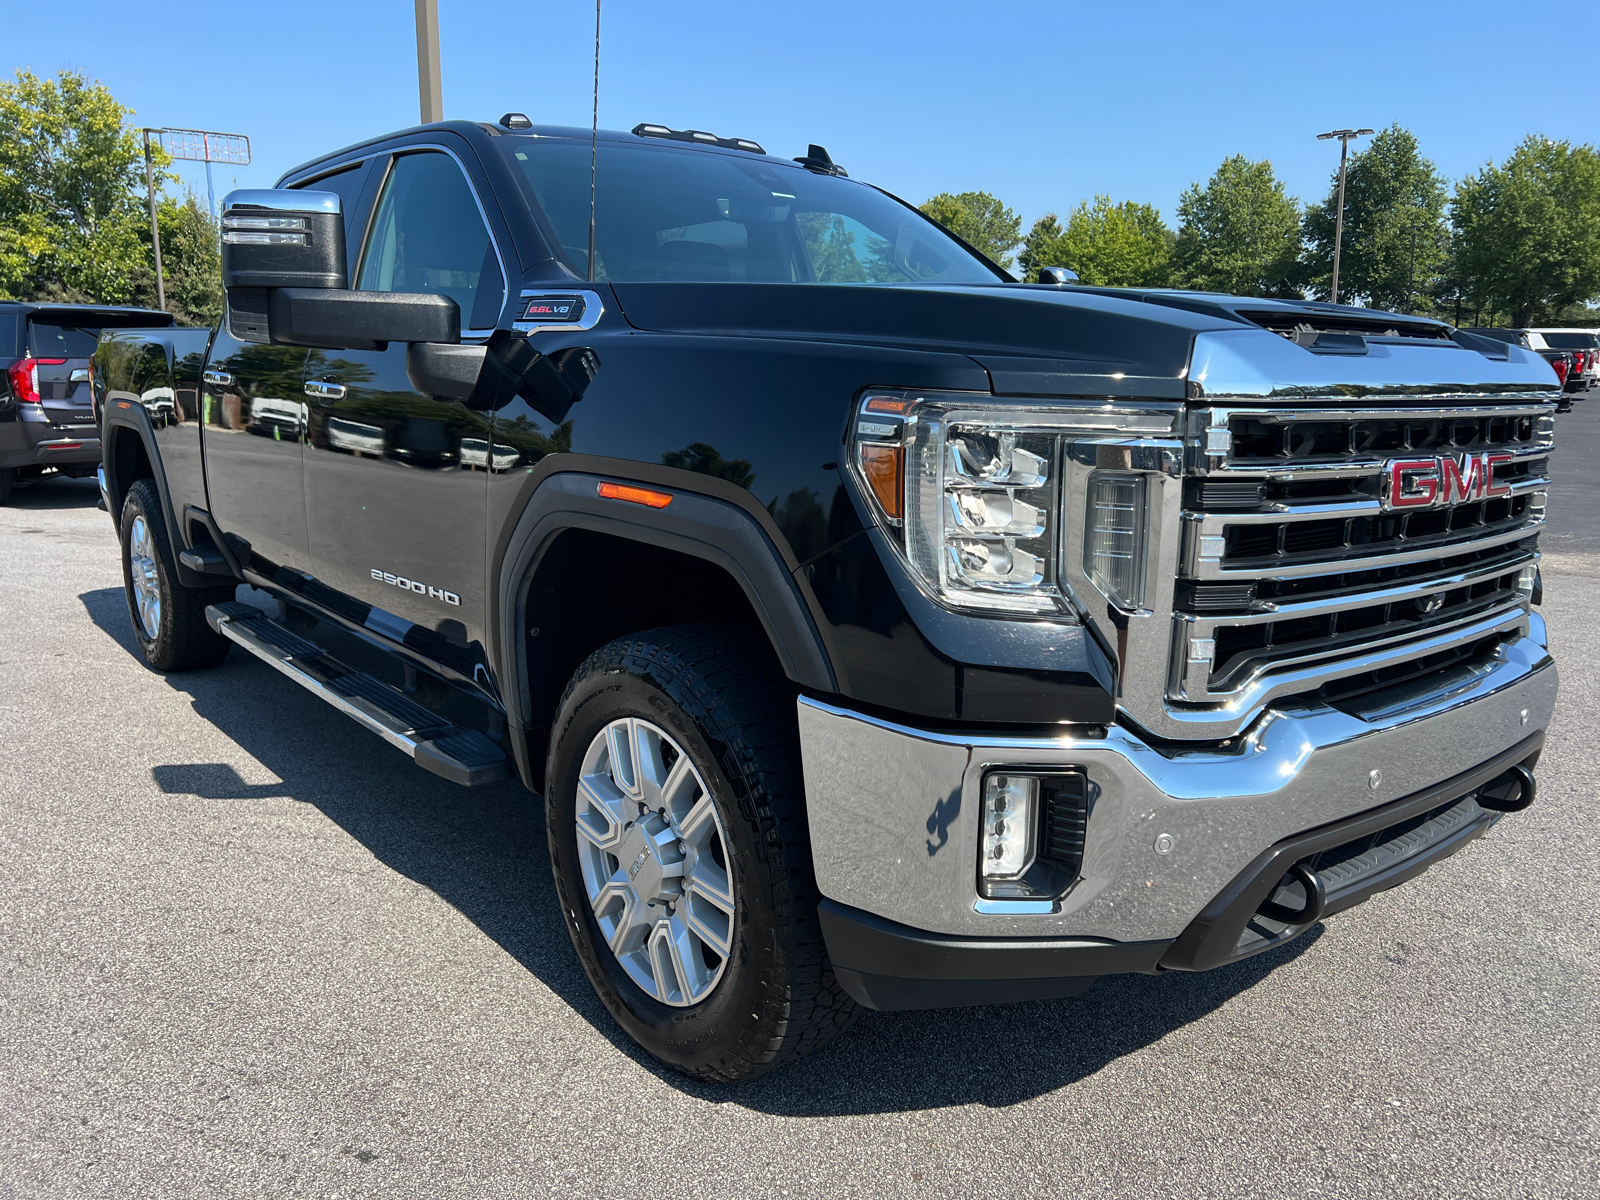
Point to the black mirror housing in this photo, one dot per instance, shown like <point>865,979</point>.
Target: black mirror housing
<point>336,319</point>
<point>282,238</point>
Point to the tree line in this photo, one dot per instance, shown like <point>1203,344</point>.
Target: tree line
<point>1513,243</point>
<point>74,221</point>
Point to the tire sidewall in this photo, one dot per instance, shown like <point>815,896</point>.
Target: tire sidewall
<point>709,1032</point>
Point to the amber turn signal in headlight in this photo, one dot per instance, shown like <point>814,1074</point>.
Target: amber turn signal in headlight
<point>883,467</point>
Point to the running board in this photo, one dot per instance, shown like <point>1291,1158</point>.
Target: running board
<point>464,756</point>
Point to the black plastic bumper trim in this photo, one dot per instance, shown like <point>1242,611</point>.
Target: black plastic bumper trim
<point>1212,937</point>
<point>886,965</point>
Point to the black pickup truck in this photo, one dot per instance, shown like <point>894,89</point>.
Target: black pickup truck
<point>879,630</point>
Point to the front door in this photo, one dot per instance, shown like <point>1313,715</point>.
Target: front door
<point>254,413</point>
<point>396,481</point>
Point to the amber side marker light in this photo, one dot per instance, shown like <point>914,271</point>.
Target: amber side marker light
<point>888,404</point>
<point>883,467</point>
<point>635,495</point>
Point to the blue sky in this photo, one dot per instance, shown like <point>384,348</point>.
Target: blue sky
<point>1042,104</point>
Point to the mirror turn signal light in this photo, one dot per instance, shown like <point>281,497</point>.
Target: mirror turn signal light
<point>635,495</point>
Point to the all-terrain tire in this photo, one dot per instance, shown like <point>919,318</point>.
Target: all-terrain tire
<point>719,693</point>
<point>182,640</point>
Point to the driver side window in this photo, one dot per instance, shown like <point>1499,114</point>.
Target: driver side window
<point>429,237</point>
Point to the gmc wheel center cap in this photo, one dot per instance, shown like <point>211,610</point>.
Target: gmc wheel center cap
<point>641,855</point>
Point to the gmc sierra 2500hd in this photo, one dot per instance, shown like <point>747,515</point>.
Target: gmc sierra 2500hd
<point>879,630</point>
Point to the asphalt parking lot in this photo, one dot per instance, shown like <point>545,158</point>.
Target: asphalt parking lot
<point>250,950</point>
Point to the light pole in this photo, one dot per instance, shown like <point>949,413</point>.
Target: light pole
<point>1345,136</point>
<point>430,87</point>
<point>193,145</point>
<point>1411,275</point>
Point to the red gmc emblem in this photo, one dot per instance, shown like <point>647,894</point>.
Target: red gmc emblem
<point>1442,479</point>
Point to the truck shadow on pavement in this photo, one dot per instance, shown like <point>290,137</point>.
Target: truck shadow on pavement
<point>483,851</point>
<point>49,494</point>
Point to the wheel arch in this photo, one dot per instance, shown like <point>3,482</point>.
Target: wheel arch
<point>715,533</point>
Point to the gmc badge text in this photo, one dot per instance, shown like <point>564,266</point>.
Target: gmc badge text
<point>880,631</point>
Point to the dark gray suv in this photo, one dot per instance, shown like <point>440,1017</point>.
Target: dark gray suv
<point>47,422</point>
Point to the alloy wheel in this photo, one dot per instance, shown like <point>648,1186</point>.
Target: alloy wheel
<point>146,583</point>
<point>655,862</point>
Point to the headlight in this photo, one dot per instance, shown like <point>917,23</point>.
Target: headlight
<point>973,494</point>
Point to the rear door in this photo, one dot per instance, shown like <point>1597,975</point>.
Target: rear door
<point>396,485</point>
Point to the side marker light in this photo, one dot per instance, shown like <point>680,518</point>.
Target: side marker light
<point>635,495</point>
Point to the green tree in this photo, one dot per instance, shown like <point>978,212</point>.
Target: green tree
<point>1240,233</point>
<point>70,177</point>
<point>1393,205</point>
<point>1527,234</point>
<point>1043,246</point>
<point>980,220</point>
<point>1108,245</point>
<point>191,266</point>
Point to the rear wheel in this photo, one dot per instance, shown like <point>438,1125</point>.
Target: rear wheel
<point>7,480</point>
<point>169,620</point>
<point>676,818</point>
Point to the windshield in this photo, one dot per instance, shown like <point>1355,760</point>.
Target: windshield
<point>1570,341</point>
<point>665,214</point>
<point>49,340</point>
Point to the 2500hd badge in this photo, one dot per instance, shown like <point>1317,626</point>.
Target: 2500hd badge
<point>411,585</point>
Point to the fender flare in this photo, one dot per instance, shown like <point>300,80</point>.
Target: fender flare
<point>709,519</point>
<point>118,422</point>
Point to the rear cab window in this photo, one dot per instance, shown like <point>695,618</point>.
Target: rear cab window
<point>685,215</point>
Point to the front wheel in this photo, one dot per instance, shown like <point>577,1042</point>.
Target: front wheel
<point>169,620</point>
<point>676,817</point>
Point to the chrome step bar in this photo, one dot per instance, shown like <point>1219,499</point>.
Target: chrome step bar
<point>464,756</point>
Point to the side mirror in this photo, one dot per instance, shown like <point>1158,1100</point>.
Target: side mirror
<point>283,270</point>
<point>282,238</point>
<point>336,319</point>
<point>1057,275</point>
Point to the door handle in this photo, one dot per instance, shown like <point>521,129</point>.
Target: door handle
<point>319,389</point>
<point>219,378</point>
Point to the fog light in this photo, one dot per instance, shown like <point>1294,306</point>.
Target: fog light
<point>1010,807</point>
<point>1113,543</point>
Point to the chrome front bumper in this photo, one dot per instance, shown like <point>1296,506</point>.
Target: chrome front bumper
<point>894,811</point>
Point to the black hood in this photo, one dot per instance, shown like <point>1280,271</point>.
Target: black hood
<point>1032,339</point>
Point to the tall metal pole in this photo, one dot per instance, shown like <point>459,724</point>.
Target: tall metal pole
<point>1345,136</point>
<point>155,231</point>
<point>430,86</point>
<point>1338,221</point>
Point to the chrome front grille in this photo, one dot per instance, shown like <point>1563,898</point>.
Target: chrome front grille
<point>1293,576</point>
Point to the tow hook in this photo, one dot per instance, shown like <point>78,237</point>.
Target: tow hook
<point>1316,898</point>
<point>1508,793</point>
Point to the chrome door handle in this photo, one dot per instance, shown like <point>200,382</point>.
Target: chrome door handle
<point>326,392</point>
<point>219,378</point>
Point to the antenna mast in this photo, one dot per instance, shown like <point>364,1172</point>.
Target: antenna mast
<point>594,136</point>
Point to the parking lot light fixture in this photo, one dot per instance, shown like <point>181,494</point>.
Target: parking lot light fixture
<point>1345,136</point>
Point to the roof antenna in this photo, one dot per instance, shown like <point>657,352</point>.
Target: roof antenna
<point>594,136</point>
